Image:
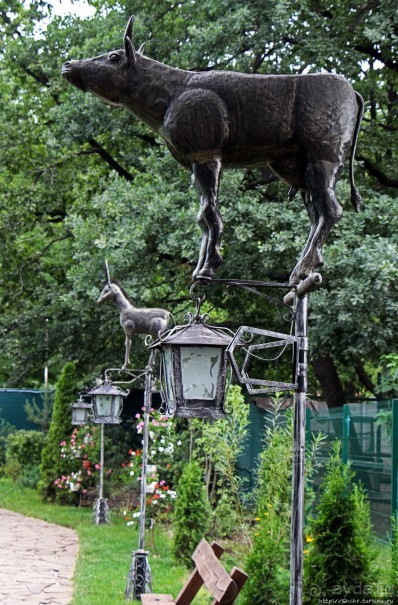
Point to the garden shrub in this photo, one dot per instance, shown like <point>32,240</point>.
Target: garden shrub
<point>53,465</point>
<point>23,456</point>
<point>6,429</point>
<point>163,446</point>
<point>191,514</point>
<point>217,446</point>
<point>268,562</point>
<point>339,564</point>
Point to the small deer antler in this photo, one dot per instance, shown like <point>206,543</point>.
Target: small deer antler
<point>108,277</point>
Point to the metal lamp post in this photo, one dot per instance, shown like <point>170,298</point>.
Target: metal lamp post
<point>194,362</point>
<point>107,404</point>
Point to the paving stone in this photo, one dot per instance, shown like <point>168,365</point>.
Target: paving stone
<point>37,561</point>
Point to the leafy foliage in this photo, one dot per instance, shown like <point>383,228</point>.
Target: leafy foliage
<point>191,514</point>
<point>80,181</point>
<point>217,446</point>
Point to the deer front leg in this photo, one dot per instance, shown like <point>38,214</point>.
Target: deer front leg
<point>207,180</point>
<point>127,353</point>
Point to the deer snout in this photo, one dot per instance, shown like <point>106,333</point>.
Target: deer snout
<point>66,67</point>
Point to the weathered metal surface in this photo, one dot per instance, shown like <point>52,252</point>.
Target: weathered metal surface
<point>302,127</point>
<point>133,320</point>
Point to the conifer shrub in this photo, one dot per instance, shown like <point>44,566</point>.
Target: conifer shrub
<point>268,562</point>
<point>52,464</point>
<point>191,514</point>
<point>340,562</point>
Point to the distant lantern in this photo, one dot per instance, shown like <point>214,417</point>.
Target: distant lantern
<point>194,367</point>
<point>107,401</point>
<point>80,411</point>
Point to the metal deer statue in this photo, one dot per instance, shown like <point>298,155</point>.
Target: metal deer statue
<point>302,127</point>
<point>132,319</point>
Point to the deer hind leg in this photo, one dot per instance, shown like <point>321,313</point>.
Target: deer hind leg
<point>207,180</point>
<point>314,218</point>
<point>321,182</point>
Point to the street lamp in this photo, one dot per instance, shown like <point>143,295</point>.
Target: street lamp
<point>107,402</point>
<point>194,367</point>
<point>80,411</point>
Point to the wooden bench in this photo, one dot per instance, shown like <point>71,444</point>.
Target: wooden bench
<point>224,587</point>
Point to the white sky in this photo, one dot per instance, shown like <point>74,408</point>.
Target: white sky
<point>66,7</point>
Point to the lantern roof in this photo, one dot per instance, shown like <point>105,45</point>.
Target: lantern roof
<point>82,404</point>
<point>107,388</point>
<point>194,333</point>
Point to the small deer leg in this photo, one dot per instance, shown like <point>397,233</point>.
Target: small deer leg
<point>207,180</point>
<point>127,352</point>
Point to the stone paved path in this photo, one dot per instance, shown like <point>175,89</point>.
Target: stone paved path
<point>37,561</point>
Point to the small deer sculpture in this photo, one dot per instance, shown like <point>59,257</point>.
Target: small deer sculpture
<point>133,319</point>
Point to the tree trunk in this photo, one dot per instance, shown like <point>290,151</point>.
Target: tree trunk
<point>329,380</point>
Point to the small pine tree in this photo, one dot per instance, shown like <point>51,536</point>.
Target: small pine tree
<point>52,465</point>
<point>268,562</point>
<point>339,564</point>
<point>191,513</point>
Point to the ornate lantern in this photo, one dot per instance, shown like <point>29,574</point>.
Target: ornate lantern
<point>80,411</point>
<point>107,402</point>
<point>194,368</point>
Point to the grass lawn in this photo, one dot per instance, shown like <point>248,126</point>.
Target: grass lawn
<point>105,550</point>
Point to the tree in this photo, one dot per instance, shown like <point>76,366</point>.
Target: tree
<point>79,182</point>
<point>340,560</point>
<point>52,464</point>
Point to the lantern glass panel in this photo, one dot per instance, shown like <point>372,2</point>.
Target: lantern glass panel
<point>199,371</point>
<point>168,374</point>
<point>103,404</point>
<point>79,415</point>
<point>118,405</point>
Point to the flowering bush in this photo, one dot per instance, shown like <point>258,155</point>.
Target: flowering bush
<point>163,442</point>
<point>83,443</point>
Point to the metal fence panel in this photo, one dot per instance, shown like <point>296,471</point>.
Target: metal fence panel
<point>369,435</point>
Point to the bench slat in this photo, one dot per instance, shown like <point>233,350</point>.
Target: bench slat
<point>218,582</point>
<point>194,583</point>
<point>157,599</point>
<point>239,577</point>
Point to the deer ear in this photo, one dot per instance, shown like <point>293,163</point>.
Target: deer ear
<point>128,41</point>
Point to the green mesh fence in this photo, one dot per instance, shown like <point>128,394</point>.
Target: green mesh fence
<point>369,435</point>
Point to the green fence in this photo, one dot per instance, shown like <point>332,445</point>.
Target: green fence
<point>369,435</point>
<point>12,406</point>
